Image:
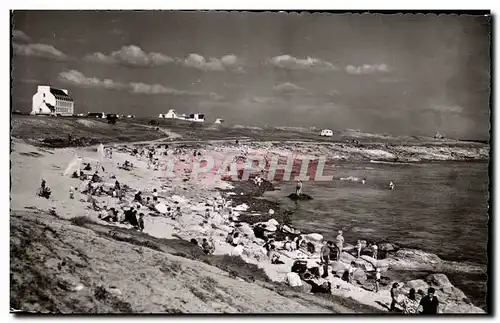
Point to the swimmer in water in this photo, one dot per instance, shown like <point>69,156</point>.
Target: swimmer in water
<point>391,185</point>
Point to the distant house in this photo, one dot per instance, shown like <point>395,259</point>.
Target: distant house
<point>196,117</point>
<point>219,121</point>
<point>51,101</point>
<point>171,114</point>
<point>326,133</point>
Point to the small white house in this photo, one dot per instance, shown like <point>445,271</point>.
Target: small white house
<point>326,133</point>
<point>51,101</point>
<point>171,114</point>
<point>219,121</point>
<point>196,117</point>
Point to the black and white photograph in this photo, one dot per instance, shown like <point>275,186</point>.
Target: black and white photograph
<point>186,162</point>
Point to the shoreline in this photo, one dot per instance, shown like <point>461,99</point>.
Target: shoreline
<point>261,206</point>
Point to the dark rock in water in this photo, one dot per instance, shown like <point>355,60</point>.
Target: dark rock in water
<point>386,246</point>
<point>301,197</point>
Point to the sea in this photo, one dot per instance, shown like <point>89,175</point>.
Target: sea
<point>439,207</point>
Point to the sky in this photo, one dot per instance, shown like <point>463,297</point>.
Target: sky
<point>394,74</point>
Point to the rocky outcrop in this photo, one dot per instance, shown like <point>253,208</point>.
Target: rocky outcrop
<point>301,197</point>
<point>413,259</point>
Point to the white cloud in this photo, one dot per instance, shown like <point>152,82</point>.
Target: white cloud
<point>142,88</point>
<point>289,88</point>
<point>78,78</point>
<point>18,35</point>
<point>309,63</point>
<point>130,55</point>
<point>367,69</point>
<point>40,50</point>
<point>227,62</point>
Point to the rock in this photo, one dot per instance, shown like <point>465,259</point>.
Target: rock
<point>115,291</point>
<point>271,211</point>
<point>273,222</point>
<point>301,197</point>
<point>385,246</point>
<point>365,265</point>
<point>417,255</point>
<point>439,280</point>
<point>245,228</point>
<point>417,284</point>
<point>79,287</point>
<point>338,268</point>
<point>314,237</point>
<point>271,228</point>
<point>359,275</point>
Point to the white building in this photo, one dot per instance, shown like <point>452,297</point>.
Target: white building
<point>171,114</point>
<point>51,101</point>
<point>196,117</point>
<point>326,133</point>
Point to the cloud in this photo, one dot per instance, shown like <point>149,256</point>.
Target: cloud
<point>289,88</point>
<point>78,78</point>
<point>454,109</point>
<point>309,63</point>
<point>367,69</point>
<point>135,56</point>
<point>266,100</point>
<point>130,55</point>
<point>225,63</point>
<point>142,88</point>
<point>40,50</point>
<point>18,35</point>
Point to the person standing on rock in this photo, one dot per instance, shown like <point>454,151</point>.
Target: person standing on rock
<point>339,243</point>
<point>410,304</point>
<point>394,297</point>
<point>358,248</point>
<point>375,251</point>
<point>298,188</point>
<point>429,304</point>
<point>325,258</point>
<point>377,280</point>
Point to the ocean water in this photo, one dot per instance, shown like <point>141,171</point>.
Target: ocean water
<point>437,207</point>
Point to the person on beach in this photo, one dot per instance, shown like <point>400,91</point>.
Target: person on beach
<point>350,270</point>
<point>363,181</point>
<point>141,222</point>
<point>429,304</point>
<point>410,304</point>
<point>359,246</point>
<point>208,247</point>
<point>138,197</point>
<point>177,213</point>
<point>103,213</point>
<point>298,188</point>
<point>375,251</point>
<point>155,193</point>
<point>71,192</point>
<point>391,185</point>
<point>325,257</point>
<point>394,297</point>
<point>207,214</point>
<point>377,280</point>
<point>236,238</point>
<point>339,244</point>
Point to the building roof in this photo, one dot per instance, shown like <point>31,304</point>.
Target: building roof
<point>60,95</point>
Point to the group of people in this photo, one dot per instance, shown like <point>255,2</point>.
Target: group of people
<point>414,302</point>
